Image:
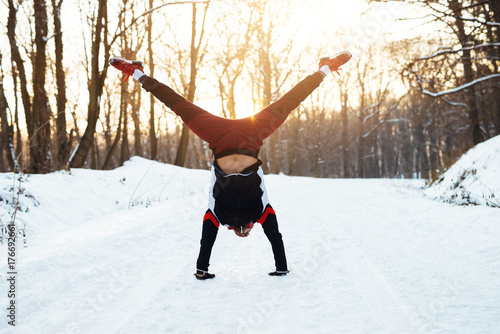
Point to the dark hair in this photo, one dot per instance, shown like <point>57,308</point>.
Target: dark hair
<point>242,231</point>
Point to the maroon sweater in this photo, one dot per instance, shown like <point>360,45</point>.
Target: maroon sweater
<point>229,136</point>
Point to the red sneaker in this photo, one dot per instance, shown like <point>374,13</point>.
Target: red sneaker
<point>126,66</point>
<point>335,62</point>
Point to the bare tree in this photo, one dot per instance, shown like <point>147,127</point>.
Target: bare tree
<point>270,64</point>
<point>7,128</point>
<point>97,75</point>
<point>463,19</point>
<point>374,89</point>
<point>124,149</point>
<point>197,53</point>
<point>235,30</point>
<point>19,67</point>
<point>153,140</point>
<point>114,146</point>
<point>465,40</point>
<point>136,106</point>
<point>40,141</point>
<point>344,143</point>
<point>62,137</point>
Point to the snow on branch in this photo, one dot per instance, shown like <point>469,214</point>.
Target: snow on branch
<point>450,50</point>
<point>459,88</point>
<point>371,106</point>
<point>456,104</point>
<point>385,119</point>
<point>473,19</point>
<point>170,3</point>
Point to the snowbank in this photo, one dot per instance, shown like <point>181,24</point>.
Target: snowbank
<point>63,199</point>
<point>473,179</point>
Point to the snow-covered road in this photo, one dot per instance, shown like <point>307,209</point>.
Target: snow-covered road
<point>366,256</point>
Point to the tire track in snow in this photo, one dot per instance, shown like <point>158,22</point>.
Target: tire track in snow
<point>376,292</point>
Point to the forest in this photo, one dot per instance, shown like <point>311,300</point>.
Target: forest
<point>422,88</point>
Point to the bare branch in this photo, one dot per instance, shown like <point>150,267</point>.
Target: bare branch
<point>389,111</point>
<point>459,88</point>
<point>448,51</point>
<point>473,19</point>
<point>149,11</point>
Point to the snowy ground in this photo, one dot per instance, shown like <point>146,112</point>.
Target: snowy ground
<point>114,252</point>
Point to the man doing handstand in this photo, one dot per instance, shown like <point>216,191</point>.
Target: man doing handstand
<point>238,196</point>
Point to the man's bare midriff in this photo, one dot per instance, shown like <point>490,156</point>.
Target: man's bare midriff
<point>235,163</point>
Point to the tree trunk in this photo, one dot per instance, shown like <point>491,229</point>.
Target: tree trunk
<point>153,140</point>
<point>267,99</point>
<point>361,148</point>
<point>16,57</point>
<point>419,146</point>
<point>112,150</point>
<point>495,7</point>
<point>180,159</point>
<point>345,144</point>
<point>428,156</point>
<point>94,163</point>
<point>474,126</point>
<point>3,168</point>
<point>18,135</point>
<point>361,127</point>
<point>7,130</point>
<point>136,105</point>
<point>107,130</point>
<point>378,150</point>
<point>62,137</point>
<point>124,152</point>
<point>95,88</point>
<point>231,100</point>
<point>398,170</point>
<point>40,142</point>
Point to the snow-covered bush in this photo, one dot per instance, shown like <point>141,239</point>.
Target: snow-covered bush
<point>473,179</point>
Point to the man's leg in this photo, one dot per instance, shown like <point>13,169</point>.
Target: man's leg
<point>270,118</point>
<point>270,226</point>
<point>204,124</point>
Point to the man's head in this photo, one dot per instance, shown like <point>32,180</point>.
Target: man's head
<point>242,231</point>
